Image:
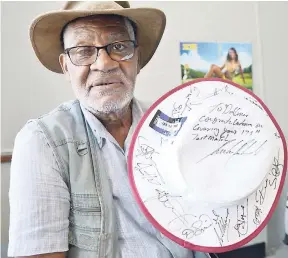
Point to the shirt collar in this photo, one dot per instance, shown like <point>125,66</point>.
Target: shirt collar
<point>99,130</point>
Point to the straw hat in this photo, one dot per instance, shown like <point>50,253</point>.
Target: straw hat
<point>45,30</point>
<point>207,165</point>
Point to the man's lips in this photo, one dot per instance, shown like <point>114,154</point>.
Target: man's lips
<point>105,83</point>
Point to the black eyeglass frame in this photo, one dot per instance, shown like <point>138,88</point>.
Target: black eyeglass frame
<point>67,51</point>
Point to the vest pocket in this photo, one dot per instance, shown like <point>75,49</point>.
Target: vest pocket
<point>85,221</point>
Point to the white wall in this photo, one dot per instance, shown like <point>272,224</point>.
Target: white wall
<point>5,168</point>
<point>273,21</point>
<point>29,90</point>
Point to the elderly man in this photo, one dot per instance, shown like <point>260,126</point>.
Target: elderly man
<point>69,191</point>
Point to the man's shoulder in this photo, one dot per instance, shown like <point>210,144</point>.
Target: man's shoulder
<point>63,108</point>
<point>64,115</point>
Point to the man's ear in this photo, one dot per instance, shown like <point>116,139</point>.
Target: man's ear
<point>63,63</point>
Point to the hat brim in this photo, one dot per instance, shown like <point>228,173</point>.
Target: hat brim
<point>195,227</point>
<point>46,29</point>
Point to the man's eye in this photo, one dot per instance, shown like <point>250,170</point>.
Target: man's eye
<point>118,47</point>
<point>85,52</point>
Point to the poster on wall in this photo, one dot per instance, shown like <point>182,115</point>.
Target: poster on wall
<point>230,61</point>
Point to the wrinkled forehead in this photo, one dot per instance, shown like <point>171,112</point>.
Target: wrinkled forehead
<point>94,27</point>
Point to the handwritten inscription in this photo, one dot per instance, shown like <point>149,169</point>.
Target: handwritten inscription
<point>270,181</point>
<point>213,138</point>
<point>187,104</point>
<point>242,219</point>
<point>171,203</point>
<point>144,149</point>
<point>249,132</point>
<point>228,121</point>
<point>178,110</point>
<point>166,141</point>
<point>261,193</point>
<point>257,216</point>
<point>194,98</point>
<point>254,102</point>
<point>258,125</point>
<point>147,166</point>
<point>221,226</point>
<point>250,147</point>
<point>224,89</point>
<point>214,130</point>
<point>197,227</point>
<point>275,171</point>
<point>188,224</point>
<point>216,134</point>
<point>228,109</point>
<point>150,173</point>
<point>216,92</point>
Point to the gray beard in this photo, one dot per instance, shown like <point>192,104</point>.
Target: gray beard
<point>111,111</point>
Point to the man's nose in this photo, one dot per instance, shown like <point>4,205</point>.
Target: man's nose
<point>104,62</point>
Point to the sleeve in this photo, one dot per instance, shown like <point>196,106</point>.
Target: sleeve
<point>39,198</point>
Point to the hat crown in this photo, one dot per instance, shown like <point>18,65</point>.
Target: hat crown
<point>46,28</point>
<point>96,5</point>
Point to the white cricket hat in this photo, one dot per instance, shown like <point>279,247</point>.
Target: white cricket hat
<point>207,165</point>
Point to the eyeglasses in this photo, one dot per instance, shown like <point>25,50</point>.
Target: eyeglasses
<point>87,55</point>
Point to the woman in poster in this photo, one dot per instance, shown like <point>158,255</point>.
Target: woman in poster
<point>229,69</point>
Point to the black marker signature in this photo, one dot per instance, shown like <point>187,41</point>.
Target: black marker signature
<point>257,216</point>
<point>172,203</point>
<point>254,102</point>
<point>242,219</point>
<point>221,226</point>
<point>199,127</point>
<point>189,224</point>
<point>144,149</point>
<point>226,121</point>
<point>150,173</point>
<point>164,141</point>
<point>179,109</point>
<point>261,193</point>
<point>269,182</point>
<point>218,136</point>
<point>198,227</point>
<point>225,89</point>
<point>275,171</point>
<point>146,166</point>
<point>225,148</point>
<point>228,109</point>
<point>165,198</point>
<point>217,91</point>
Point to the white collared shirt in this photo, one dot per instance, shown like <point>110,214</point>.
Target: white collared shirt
<point>137,236</point>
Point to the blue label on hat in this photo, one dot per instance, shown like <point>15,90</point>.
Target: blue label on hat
<point>166,125</point>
